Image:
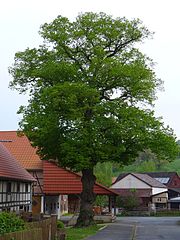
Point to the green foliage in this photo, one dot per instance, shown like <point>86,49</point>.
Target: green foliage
<point>147,166</point>
<point>173,166</point>
<point>9,222</point>
<point>91,94</point>
<point>101,201</point>
<point>171,213</point>
<point>60,224</point>
<point>104,173</point>
<point>128,202</point>
<point>87,83</point>
<point>148,162</point>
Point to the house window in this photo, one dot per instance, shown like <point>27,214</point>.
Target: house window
<point>18,187</point>
<point>8,189</point>
<point>21,207</point>
<point>26,187</point>
<point>54,206</point>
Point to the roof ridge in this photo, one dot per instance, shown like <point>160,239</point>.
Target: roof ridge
<point>21,148</point>
<point>8,130</point>
<point>157,183</point>
<point>11,168</point>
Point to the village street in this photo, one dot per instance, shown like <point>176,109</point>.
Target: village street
<point>141,228</point>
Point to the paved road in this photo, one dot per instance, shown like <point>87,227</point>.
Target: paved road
<point>141,228</point>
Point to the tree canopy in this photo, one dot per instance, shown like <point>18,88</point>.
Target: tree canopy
<point>91,93</point>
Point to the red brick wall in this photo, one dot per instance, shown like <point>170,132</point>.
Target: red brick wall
<point>175,182</point>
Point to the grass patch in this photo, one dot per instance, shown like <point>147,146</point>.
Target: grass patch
<point>81,233</point>
<point>168,214</point>
<point>68,214</point>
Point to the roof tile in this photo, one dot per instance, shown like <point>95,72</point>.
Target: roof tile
<point>10,168</point>
<point>21,149</point>
<point>60,180</point>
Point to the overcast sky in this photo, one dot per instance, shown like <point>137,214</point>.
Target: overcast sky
<point>20,21</point>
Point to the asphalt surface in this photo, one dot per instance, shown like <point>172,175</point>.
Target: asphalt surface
<point>141,228</point>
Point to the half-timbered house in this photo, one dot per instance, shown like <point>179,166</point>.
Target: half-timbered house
<point>54,186</point>
<point>15,183</point>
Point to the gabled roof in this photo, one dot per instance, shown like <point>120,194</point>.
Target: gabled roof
<point>21,149</point>
<point>53,176</point>
<point>143,177</point>
<point>121,176</point>
<point>10,168</point>
<point>58,180</point>
<point>161,174</point>
<point>163,177</point>
<point>149,180</point>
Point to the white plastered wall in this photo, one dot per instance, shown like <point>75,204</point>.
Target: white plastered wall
<point>130,182</point>
<point>158,190</point>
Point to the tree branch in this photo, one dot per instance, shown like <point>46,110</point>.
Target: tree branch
<point>72,58</point>
<point>118,47</point>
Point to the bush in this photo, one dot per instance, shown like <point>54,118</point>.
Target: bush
<point>128,202</point>
<point>9,222</point>
<point>101,201</point>
<point>60,224</point>
<point>170,213</point>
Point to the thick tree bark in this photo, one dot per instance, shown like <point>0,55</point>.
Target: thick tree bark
<point>87,199</point>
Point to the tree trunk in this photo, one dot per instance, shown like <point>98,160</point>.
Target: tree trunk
<point>87,199</point>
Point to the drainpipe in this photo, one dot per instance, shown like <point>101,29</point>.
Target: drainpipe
<point>42,204</point>
<point>59,210</point>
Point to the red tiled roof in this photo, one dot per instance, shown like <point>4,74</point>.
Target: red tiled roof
<point>10,168</point>
<point>21,149</point>
<point>56,179</point>
<point>62,181</point>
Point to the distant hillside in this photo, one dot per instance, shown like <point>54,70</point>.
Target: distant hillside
<point>150,166</point>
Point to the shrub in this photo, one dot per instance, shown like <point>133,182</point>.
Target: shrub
<point>9,222</point>
<point>167,213</point>
<point>60,224</point>
<point>129,202</point>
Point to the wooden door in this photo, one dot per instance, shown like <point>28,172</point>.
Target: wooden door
<point>36,204</point>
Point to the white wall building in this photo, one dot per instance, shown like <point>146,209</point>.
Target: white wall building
<point>15,184</point>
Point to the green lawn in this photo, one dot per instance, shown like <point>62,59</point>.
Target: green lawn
<point>169,213</point>
<point>81,233</point>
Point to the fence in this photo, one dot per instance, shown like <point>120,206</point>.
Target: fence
<point>33,234</point>
<point>41,230</point>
